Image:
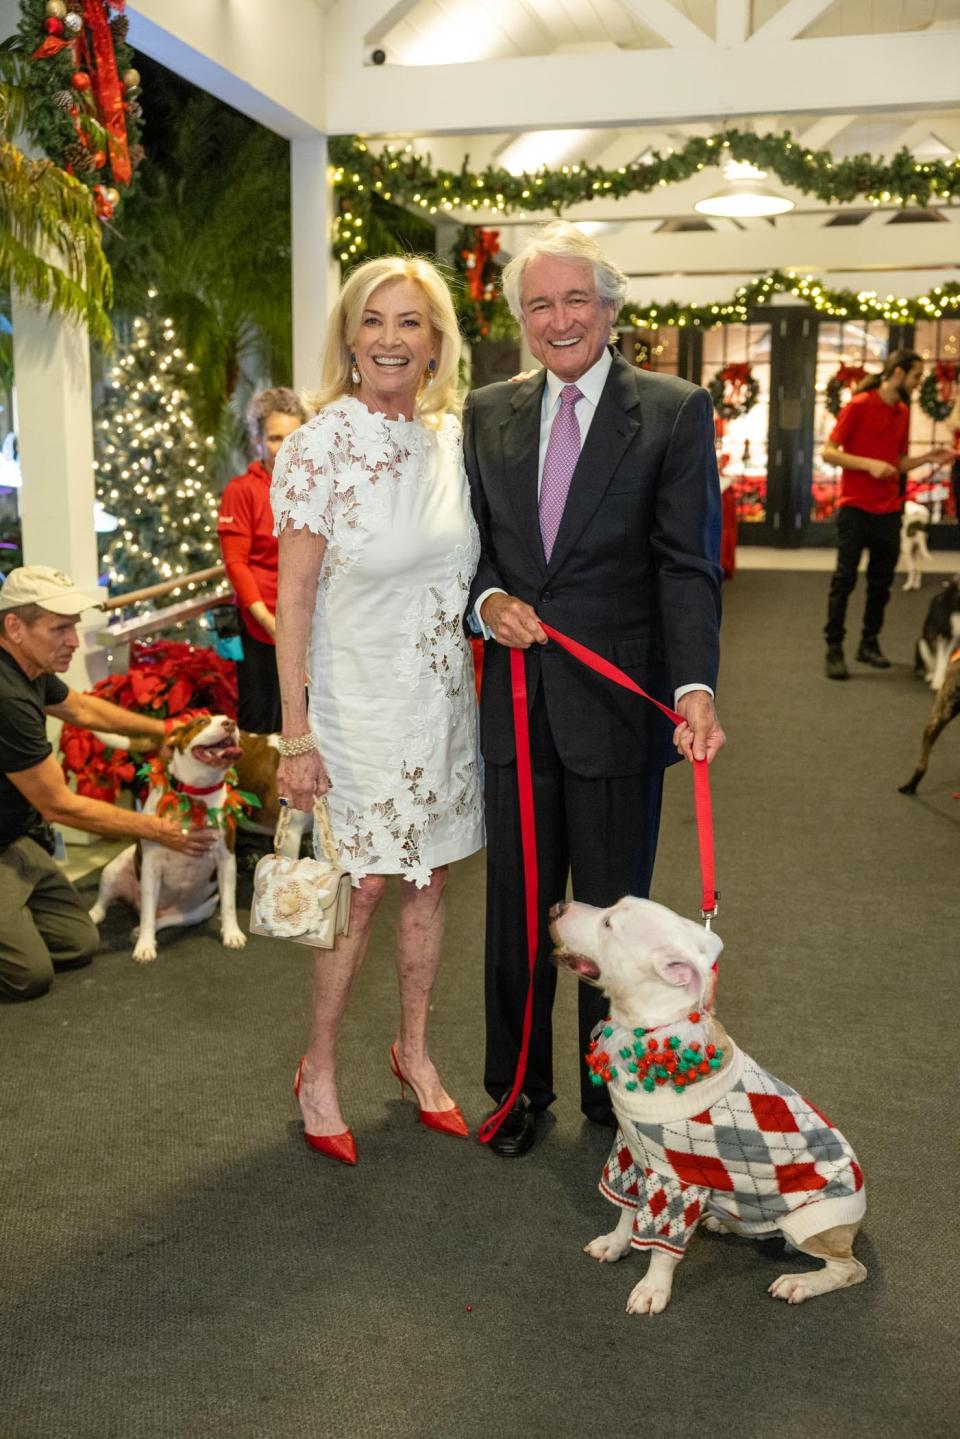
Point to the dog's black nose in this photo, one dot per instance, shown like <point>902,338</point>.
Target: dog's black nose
<point>557,909</point>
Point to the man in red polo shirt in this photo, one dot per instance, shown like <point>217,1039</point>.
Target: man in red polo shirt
<point>250,556</point>
<point>869,441</point>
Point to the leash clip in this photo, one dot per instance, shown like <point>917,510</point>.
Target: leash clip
<point>709,915</point>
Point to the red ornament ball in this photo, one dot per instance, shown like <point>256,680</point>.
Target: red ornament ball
<point>53,26</point>
<point>80,80</point>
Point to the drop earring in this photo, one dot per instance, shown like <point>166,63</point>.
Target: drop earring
<point>431,369</point>
<point>354,370</point>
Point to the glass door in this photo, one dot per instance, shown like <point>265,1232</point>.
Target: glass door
<point>736,370</point>
<point>934,400</point>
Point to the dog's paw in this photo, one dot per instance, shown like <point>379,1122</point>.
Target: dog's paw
<point>608,1248</point>
<point>794,1288</point>
<point>650,1296</point>
<point>98,913</point>
<point>145,951</point>
<point>714,1226</point>
<point>233,938</point>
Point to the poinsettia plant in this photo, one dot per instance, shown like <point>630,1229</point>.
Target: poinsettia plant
<point>166,679</point>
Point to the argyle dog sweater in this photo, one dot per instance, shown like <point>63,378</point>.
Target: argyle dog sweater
<point>756,1155</point>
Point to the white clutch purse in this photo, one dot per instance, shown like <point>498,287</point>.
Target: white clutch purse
<point>306,900</point>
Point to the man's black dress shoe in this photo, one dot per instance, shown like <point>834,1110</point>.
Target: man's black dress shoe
<point>518,1130</point>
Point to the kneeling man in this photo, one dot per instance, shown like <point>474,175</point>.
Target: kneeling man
<point>45,924</point>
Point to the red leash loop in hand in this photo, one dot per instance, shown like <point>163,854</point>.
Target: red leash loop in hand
<point>528,833</point>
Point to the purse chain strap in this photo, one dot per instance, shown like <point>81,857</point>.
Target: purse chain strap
<point>321,819</point>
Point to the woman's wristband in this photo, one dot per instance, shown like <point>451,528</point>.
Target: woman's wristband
<point>303,744</point>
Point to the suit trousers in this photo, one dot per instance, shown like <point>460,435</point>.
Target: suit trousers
<point>602,833</point>
<point>879,535</point>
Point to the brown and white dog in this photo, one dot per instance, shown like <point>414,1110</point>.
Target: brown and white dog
<point>940,634</point>
<point>946,707</point>
<point>705,1135</point>
<point>174,889</point>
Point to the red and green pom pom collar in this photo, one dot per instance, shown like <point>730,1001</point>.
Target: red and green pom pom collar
<point>673,1056</point>
<point>182,799</point>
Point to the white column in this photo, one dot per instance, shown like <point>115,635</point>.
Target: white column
<point>316,274</point>
<point>51,359</point>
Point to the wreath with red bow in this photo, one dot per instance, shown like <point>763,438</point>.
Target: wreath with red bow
<point>841,384</point>
<point>482,309</point>
<point>734,391</point>
<point>938,392</point>
<point>82,92</point>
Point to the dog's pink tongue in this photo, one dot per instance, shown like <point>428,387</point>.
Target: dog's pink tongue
<point>231,752</point>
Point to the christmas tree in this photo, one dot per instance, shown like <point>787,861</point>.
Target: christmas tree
<point>150,464</point>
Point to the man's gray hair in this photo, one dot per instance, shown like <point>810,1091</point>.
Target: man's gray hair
<point>27,614</point>
<point>565,242</point>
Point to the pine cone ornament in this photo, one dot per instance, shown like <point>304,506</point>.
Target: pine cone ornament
<point>64,99</point>
<point>137,155</point>
<point>119,26</point>
<point>76,157</point>
<point>134,109</point>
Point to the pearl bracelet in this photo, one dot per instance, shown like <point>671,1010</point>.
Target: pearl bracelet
<point>303,744</point>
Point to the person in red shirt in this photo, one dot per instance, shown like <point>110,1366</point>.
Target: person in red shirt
<point>249,551</point>
<point>869,441</point>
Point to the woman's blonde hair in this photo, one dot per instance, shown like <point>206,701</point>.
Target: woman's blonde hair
<point>434,400</point>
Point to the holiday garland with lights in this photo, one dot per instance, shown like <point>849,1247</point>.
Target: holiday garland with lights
<point>408,179</point>
<point>82,91</point>
<point>150,464</point>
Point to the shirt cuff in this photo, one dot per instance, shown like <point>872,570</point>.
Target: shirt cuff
<point>476,622</point>
<point>687,689</point>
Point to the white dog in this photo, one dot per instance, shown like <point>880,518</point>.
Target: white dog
<point>704,1133</point>
<point>914,553</point>
<point>171,889</point>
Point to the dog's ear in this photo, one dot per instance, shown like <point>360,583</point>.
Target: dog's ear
<point>674,969</point>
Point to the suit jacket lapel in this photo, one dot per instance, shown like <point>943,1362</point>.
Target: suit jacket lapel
<point>614,426</point>
<point>520,442</point>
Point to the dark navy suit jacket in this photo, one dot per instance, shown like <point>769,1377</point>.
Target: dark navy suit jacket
<point>634,572</point>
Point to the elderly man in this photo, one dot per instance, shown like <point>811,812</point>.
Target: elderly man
<point>596,493</point>
<point>45,925</point>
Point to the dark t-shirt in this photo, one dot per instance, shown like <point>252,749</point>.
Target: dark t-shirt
<point>23,744</point>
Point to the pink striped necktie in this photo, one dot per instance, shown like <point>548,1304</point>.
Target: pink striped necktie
<point>560,461</point>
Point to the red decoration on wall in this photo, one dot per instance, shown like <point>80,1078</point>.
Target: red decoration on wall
<point>107,89</point>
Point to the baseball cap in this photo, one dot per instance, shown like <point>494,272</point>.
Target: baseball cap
<point>49,588</point>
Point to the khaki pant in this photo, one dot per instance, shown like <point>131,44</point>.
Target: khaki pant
<point>43,924</point>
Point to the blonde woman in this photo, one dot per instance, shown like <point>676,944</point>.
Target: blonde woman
<point>377,550</point>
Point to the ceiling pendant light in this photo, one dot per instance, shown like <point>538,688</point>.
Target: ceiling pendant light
<point>744,196</point>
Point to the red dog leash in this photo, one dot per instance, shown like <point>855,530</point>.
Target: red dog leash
<point>528,834</point>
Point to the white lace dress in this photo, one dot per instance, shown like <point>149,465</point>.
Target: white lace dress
<point>391,686</point>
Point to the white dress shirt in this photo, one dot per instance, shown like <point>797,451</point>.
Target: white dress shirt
<point>590,386</point>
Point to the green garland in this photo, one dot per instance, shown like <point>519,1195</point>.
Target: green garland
<point>50,94</point>
<point>833,304</point>
<point>408,179</point>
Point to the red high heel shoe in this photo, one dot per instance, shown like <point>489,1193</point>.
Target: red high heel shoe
<point>335,1146</point>
<point>447,1121</point>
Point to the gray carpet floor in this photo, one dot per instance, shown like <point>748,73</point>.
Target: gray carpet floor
<point>174,1262</point>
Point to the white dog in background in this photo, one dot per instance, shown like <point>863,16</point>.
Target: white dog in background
<point>914,553</point>
<point>175,889</point>
<point>705,1135</point>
